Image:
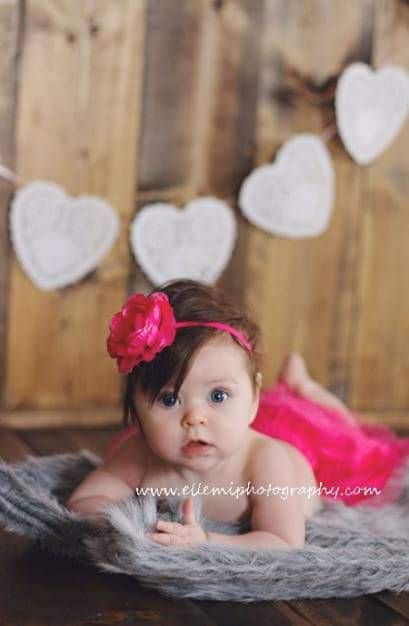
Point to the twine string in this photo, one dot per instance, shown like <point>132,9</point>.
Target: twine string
<point>329,132</point>
<point>7,174</point>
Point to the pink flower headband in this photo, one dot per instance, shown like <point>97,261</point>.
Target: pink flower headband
<point>146,325</point>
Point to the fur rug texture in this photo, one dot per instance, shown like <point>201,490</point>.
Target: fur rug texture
<point>349,551</point>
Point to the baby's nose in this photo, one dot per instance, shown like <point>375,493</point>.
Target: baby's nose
<point>192,417</point>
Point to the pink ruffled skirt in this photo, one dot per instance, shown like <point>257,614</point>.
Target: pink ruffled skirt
<point>354,463</point>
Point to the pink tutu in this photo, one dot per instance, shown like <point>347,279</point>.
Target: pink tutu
<point>350,461</point>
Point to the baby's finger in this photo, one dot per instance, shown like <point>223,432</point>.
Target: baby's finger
<point>165,539</point>
<point>171,527</point>
<point>188,511</point>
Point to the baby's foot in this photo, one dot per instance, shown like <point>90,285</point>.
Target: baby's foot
<point>295,374</point>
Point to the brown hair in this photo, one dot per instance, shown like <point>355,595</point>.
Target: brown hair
<point>191,301</point>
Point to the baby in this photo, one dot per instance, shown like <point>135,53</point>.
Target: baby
<point>193,390</point>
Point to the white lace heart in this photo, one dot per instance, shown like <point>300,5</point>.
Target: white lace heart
<point>195,242</point>
<point>294,196</point>
<point>59,239</point>
<point>370,107</point>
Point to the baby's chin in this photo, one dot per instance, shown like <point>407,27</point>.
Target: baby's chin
<point>216,457</point>
<point>199,460</point>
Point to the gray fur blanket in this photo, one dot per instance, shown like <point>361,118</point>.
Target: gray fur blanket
<point>349,550</point>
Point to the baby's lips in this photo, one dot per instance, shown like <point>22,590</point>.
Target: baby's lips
<point>196,440</point>
<point>196,446</point>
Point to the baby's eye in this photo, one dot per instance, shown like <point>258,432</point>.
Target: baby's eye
<point>168,399</point>
<point>218,395</point>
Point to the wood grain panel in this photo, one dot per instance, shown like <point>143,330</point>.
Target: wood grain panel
<point>241,614</point>
<point>344,611</point>
<point>227,151</point>
<point>9,42</point>
<point>171,57</point>
<point>170,81</point>
<point>380,359</point>
<point>12,447</point>
<point>397,601</point>
<point>51,441</point>
<point>46,418</point>
<point>226,115</point>
<point>78,120</point>
<point>298,288</point>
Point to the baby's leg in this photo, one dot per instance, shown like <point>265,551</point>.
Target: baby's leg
<point>295,374</point>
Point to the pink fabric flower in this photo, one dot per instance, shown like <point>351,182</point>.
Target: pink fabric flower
<point>144,326</point>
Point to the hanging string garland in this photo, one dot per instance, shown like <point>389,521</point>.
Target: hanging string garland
<point>59,239</point>
<point>196,242</point>
<point>294,196</point>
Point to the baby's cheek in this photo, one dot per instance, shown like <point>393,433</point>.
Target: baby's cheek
<point>162,440</point>
<point>233,434</point>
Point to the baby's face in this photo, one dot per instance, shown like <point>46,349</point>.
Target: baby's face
<point>215,404</point>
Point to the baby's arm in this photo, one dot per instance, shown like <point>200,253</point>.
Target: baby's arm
<point>275,522</point>
<point>99,488</point>
<point>111,482</point>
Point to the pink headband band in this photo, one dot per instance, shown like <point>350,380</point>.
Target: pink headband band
<point>220,326</point>
<point>146,325</point>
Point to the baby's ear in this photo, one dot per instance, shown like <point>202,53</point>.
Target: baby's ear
<point>259,379</point>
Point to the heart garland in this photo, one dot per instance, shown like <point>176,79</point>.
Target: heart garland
<point>293,197</point>
<point>196,242</point>
<point>59,239</point>
<point>371,108</point>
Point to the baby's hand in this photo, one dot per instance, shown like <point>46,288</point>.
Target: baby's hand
<point>175,534</point>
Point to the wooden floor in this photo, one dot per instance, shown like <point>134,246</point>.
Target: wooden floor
<point>40,590</point>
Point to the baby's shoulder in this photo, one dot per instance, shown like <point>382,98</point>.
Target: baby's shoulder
<point>129,462</point>
<point>280,460</point>
<point>267,453</point>
<point>263,444</point>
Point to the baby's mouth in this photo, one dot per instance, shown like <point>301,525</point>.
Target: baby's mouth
<point>196,447</point>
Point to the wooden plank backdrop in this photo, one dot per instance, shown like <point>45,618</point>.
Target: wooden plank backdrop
<point>78,114</point>
<point>141,101</point>
<point>9,43</point>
